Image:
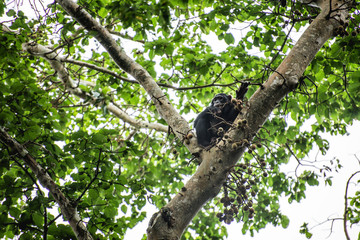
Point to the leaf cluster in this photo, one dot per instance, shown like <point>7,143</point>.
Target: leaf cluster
<point>193,49</point>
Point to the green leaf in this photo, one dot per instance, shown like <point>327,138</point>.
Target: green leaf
<point>229,38</point>
<point>14,212</point>
<point>32,132</point>
<point>81,135</point>
<point>285,221</point>
<point>58,136</point>
<point>78,135</point>
<point>110,212</point>
<point>99,138</point>
<point>38,219</point>
<point>93,194</point>
<point>102,12</point>
<point>11,13</point>
<point>308,235</point>
<point>124,208</point>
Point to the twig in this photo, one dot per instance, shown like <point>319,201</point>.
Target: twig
<point>346,205</point>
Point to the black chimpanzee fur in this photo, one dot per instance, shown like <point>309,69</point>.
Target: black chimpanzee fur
<point>220,114</point>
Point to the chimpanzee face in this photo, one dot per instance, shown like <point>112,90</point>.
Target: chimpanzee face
<point>220,100</point>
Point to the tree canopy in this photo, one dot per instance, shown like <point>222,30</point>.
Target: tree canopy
<point>99,97</point>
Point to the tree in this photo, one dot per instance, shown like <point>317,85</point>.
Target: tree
<point>92,131</point>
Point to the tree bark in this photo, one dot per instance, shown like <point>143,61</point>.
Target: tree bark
<point>56,63</point>
<point>171,220</point>
<point>215,165</point>
<point>178,124</point>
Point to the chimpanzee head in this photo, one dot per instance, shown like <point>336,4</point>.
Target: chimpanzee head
<point>220,100</point>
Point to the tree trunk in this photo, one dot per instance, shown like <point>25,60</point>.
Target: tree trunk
<point>208,179</point>
<point>171,221</point>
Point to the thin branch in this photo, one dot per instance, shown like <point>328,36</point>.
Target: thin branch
<point>268,66</point>
<point>346,205</point>
<point>125,36</point>
<point>56,62</point>
<point>164,107</point>
<point>92,180</point>
<point>116,75</point>
<point>29,175</point>
<point>52,221</point>
<point>97,68</point>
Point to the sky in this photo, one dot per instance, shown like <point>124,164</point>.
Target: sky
<point>321,203</point>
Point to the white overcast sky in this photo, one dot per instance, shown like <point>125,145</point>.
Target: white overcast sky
<point>321,203</point>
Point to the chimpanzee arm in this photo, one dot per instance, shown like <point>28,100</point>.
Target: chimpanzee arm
<point>240,94</point>
<point>202,126</point>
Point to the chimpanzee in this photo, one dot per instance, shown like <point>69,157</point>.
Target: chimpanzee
<point>220,114</point>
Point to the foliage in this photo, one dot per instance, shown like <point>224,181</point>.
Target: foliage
<point>113,168</point>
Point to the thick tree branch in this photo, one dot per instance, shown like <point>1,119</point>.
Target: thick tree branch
<point>67,208</point>
<point>287,75</point>
<point>179,125</point>
<point>56,62</point>
<point>171,221</point>
<point>217,162</point>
